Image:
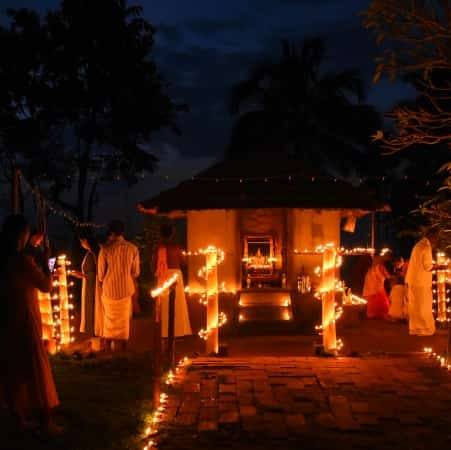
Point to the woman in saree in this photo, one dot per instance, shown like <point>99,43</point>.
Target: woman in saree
<point>25,374</point>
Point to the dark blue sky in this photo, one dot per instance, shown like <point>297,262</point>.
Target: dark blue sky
<point>204,46</point>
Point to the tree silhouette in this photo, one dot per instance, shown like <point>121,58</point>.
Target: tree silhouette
<point>415,40</point>
<point>80,96</point>
<point>291,105</point>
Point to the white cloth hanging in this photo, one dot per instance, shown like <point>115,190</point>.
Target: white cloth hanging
<point>182,323</point>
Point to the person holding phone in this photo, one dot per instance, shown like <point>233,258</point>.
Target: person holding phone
<point>37,249</point>
<point>25,374</point>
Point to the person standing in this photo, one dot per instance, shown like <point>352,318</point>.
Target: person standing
<point>35,250</point>
<point>169,261</point>
<point>25,374</point>
<point>398,292</point>
<point>118,268</point>
<point>91,321</point>
<point>374,290</point>
<point>419,286</point>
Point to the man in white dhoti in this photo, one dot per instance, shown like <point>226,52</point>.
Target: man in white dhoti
<point>419,286</point>
<point>118,268</point>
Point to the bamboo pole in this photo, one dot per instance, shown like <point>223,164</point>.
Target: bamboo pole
<point>157,351</point>
<point>373,229</point>
<point>171,326</point>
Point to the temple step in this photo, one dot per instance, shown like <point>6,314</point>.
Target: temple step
<point>264,313</point>
<point>265,297</point>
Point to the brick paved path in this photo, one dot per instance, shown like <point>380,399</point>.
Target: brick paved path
<point>311,403</point>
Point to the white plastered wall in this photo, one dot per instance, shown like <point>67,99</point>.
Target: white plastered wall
<point>310,228</point>
<point>218,228</point>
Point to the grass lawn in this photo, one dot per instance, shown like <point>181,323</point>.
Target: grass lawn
<point>104,405</point>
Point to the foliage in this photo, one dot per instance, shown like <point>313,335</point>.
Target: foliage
<point>292,105</point>
<point>80,87</point>
<point>416,38</point>
<point>104,405</point>
<point>147,243</point>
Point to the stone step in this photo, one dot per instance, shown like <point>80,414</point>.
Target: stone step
<point>265,313</point>
<point>265,298</point>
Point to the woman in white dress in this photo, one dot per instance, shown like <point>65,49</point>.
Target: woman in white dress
<point>91,320</point>
<point>169,261</point>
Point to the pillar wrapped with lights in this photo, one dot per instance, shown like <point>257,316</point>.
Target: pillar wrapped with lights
<point>327,289</point>
<point>212,342</point>
<point>63,305</point>
<point>441,292</point>
<point>45,307</point>
<point>210,297</point>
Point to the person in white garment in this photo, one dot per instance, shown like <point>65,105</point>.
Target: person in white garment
<point>169,260</point>
<point>419,286</point>
<point>117,270</point>
<point>398,292</point>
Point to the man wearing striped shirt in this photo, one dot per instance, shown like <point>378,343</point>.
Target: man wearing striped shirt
<point>118,268</point>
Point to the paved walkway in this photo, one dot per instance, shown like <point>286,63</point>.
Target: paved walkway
<point>311,403</point>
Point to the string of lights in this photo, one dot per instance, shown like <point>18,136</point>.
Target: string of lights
<point>52,208</point>
<point>159,414</point>
<point>300,177</point>
<point>442,359</point>
<point>441,299</point>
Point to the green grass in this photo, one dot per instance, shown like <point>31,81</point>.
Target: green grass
<point>104,405</point>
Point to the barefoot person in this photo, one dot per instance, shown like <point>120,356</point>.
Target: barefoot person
<point>419,286</point>
<point>117,270</point>
<point>25,374</point>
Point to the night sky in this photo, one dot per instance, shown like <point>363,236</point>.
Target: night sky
<point>203,47</point>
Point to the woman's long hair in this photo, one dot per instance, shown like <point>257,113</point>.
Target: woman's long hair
<point>12,229</point>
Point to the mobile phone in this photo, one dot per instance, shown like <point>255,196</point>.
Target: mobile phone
<point>51,263</point>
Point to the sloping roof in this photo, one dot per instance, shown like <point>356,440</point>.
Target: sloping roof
<point>266,183</point>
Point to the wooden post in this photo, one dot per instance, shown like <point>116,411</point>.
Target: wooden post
<point>157,350</point>
<point>171,326</point>
<point>373,229</point>
<point>328,301</point>
<point>212,345</point>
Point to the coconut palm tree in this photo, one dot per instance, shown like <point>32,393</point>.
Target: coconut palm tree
<point>293,106</point>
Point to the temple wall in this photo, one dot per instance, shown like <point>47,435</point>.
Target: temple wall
<point>218,228</point>
<point>308,229</point>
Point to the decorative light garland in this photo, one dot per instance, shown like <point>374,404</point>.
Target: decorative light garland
<point>56,210</point>
<point>297,176</point>
<point>158,415</point>
<point>63,306</point>
<point>209,297</point>
<point>441,298</point>
<point>330,283</point>
<point>166,285</point>
<point>205,333</point>
<point>443,360</point>
<point>341,251</point>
